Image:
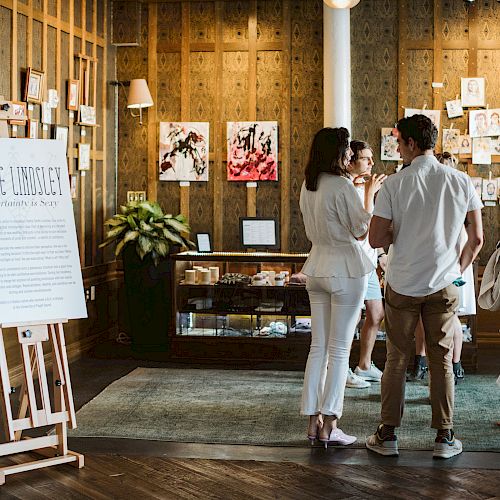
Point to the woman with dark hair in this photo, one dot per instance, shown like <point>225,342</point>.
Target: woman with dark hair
<point>336,269</point>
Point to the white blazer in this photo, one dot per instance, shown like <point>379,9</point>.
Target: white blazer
<point>333,218</point>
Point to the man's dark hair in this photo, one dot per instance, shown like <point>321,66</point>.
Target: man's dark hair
<point>358,146</point>
<point>421,129</point>
<point>327,154</point>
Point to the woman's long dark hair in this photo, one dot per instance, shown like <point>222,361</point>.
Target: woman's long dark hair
<point>327,154</point>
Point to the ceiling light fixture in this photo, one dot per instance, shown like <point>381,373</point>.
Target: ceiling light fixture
<point>341,4</point>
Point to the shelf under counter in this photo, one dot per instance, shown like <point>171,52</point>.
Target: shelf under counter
<point>223,312</point>
<point>252,257</point>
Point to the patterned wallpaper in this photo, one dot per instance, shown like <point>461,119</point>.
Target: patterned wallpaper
<point>306,106</point>
<point>374,73</point>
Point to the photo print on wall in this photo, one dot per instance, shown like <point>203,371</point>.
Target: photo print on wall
<point>53,98</point>
<point>433,114</point>
<point>19,112</point>
<point>472,92</point>
<point>490,190</point>
<point>478,184</point>
<point>481,151</point>
<point>465,145</point>
<point>495,146</point>
<point>389,145</point>
<point>184,151</point>
<point>484,122</point>
<point>33,91</point>
<point>454,108</point>
<point>46,113</point>
<point>451,140</point>
<point>252,151</point>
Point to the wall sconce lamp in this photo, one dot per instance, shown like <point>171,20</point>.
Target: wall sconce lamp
<point>139,95</point>
<point>341,4</point>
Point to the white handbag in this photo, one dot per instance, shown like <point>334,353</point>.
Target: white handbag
<point>489,293</point>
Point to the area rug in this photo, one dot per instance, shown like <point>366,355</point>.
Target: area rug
<point>261,408</point>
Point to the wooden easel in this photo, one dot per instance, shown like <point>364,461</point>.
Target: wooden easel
<point>31,336</point>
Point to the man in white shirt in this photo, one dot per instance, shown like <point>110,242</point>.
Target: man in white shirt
<point>421,211</point>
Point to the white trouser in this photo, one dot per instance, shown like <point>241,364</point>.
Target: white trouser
<point>335,306</point>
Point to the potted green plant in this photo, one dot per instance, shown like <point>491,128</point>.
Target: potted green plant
<point>146,238</point>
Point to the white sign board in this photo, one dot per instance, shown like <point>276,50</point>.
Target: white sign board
<point>40,275</point>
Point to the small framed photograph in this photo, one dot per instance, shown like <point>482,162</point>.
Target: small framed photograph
<point>34,86</point>
<point>87,115</point>
<point>53,98</point>
<point>19,112</point>
<point>33,129</point>
<point>83,156</point>
<point>61,134</point>
<point>73,95</point>
<point>203,242</point>
<point>473,93</point>
<point>46,113</point>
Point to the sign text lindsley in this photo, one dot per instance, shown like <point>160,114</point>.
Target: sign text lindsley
<point>31,181</point>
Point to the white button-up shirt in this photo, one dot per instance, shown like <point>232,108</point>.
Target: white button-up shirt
<point>427,203</point>
<point>371,252</point>
<point>333,218</point>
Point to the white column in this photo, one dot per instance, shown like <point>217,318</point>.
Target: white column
<point>337,67</point>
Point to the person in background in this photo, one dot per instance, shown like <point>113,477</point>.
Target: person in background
<point>361,165</point>
<point>421,212</point>
<point>337,268</point>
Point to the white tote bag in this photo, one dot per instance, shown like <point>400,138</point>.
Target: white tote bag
<point>489,293</point>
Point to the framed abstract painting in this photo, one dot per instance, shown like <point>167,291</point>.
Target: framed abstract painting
<point>252,151</point>
<point>184,151</point>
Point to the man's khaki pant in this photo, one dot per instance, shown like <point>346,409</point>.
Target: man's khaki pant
<point>401,317</point>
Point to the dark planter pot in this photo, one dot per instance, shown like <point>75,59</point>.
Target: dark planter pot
<point>148,291</point>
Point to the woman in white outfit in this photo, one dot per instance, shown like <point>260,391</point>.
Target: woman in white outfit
<point>337,269</point>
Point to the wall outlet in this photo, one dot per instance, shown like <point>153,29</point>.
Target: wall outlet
<point>87,294</point>
<point>92,292</point>
<point>136,196</point>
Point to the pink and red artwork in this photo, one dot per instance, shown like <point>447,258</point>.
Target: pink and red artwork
<point>252,151</point>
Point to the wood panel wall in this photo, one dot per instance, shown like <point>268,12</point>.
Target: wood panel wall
<point>219,61</point>
<point>47,35</point>
<point>442,41</point>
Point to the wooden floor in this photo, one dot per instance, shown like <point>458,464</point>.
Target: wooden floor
<point>131,477</point>
<point>128,469</point>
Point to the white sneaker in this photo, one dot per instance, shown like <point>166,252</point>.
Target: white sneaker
<point>387,447</point>
<point>356,382</point>
<point>373,374</point>
<point>337,436</point>
<point>447,448</point>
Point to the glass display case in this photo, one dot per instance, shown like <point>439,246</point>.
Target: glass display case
<point>253,307</point>
<point>234,304</point>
